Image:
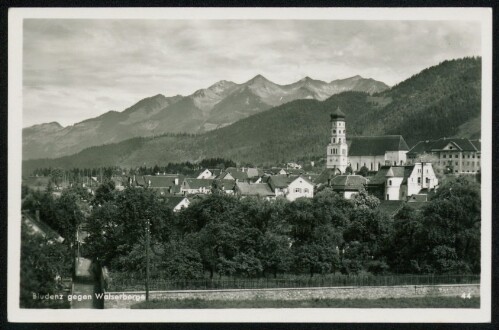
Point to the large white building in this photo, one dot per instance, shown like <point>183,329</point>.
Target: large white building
<point>359,151</point>
<point>403,182</point>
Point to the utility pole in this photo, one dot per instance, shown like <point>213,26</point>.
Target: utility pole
<point>147,258</point>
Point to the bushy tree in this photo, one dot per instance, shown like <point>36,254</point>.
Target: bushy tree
<point>43,263</point>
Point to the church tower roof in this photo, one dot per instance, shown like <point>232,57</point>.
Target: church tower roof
<point>337,114</point>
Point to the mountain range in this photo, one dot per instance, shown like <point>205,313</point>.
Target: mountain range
<point>219,105</point>
<point>441,101</point>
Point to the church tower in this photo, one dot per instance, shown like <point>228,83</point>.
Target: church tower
<point>337,149</point>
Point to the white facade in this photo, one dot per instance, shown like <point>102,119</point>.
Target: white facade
<point>206,174</point>
<point>337,150</point>
<point>422,177</point>
<point>398,157</point>
<point>183,204</point>
<point>300,188</point>
<point>402,187</point>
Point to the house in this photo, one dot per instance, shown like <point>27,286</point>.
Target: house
<point>196,186</point>
<point>208,173</point>
<point>38,227</point>
<point>262,190</point>
<point>402,182</point>
<point>176,202</point>
<point>231,173</point>
<point>291,187</point>
<point>252,172</point>
<point>293,165</point>
<point>165,184</point>
<point>348,185</point>
<point>205,174</point>
<point>204,186</point>
<point>458,156</point>
<point>369,151</point>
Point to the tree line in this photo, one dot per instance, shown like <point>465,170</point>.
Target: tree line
<point>251,237</point>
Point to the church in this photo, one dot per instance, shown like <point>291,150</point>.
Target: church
<point>373,152</point>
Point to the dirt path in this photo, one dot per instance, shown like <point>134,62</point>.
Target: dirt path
<point>85,286</point>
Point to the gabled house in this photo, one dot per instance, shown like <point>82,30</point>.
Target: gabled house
<point>402,182</point>
<point>457,155</point>
<point>231,173</point>
<point>262,190</point>
<point>204,186</point>
<point>348,185</point>
<point>176,202</point>
<point>205,174</point>
<point>196,186</point>
<point>165,184</point>
<point>208,173</point>
<point>291,187</point>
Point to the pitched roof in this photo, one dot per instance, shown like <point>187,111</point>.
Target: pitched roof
<point>477,144</point>
<point>45,229</point>
<point>304,178</point>
<point>198,183</point>
<point>281,180</point>
<point>436,145</point>
<point>325,176</point>
<point>391,171</point>
<point>376,145</point>
<point>253,172</point>
<point>162,181</point>
<point>390,207</point>
<point>348,182</point>
<point>254,189</point>
<point>236,174</point>
<point>173,201</point>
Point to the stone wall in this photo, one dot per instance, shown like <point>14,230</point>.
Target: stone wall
<point>126,299</point>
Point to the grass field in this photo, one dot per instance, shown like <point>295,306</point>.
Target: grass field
<point>422,302</point>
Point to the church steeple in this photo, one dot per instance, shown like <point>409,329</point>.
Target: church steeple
<point>337,150</point>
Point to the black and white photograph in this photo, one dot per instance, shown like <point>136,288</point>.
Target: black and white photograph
<point>250,165</point>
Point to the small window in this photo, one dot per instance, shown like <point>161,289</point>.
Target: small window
<point>339,140</point>
<point>334,140</point>
<point>456,156</point>
<point>450,147</point>
<point>389,182</point>
<point>419,180</point>
<point>297,190</point>
<point>457,163</point>
<point>387,197</point>
<point>334,131</point>
<point>305,190</point>
<point>444,156</point>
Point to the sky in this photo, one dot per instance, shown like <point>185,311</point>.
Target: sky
<point>75,69</point>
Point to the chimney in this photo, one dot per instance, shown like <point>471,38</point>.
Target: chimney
<point>176,181</point>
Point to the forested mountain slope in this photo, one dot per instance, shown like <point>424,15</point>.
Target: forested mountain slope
<point>437,102</point>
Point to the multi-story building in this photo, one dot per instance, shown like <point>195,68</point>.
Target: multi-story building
<point>457,156</point>
<point>403,182</point>
<point>371,152</point>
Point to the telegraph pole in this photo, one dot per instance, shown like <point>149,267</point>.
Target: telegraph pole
<point>147,258</point>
